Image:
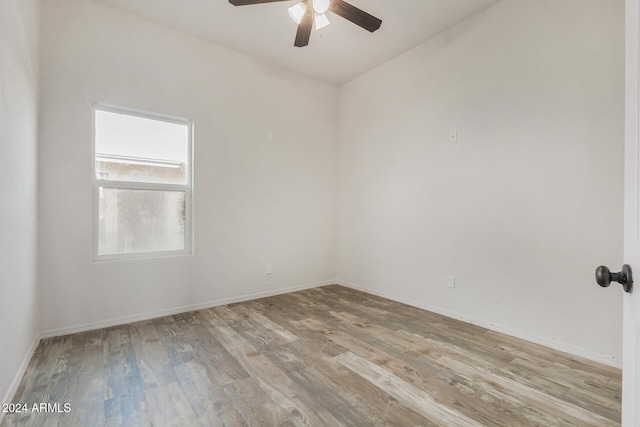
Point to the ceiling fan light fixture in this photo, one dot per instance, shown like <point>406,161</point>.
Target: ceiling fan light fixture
<point>321,20</point>
<point>321,6</point>
<point>297,11</point>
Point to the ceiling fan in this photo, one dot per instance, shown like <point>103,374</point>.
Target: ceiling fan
<point>306,12</point>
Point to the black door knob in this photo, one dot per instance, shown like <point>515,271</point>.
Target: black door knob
<point>604,277</point>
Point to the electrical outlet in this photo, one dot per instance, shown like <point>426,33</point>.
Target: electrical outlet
<point>451,282</point>
<point>268,269</point>
<point>453,136</point>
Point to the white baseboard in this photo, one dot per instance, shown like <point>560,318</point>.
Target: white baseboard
<point>13,387</point>
<point>564,347</point>
<point>175,310</point>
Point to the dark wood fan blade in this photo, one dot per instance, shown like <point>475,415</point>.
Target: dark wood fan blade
<point>304,30</point>
<point>248,2</point>
<point>355,15</point>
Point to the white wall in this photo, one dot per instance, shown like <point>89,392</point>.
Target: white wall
<point>521,210</point>
<point>528,202</point>
<point>18,185</point>
<point>255,202</point>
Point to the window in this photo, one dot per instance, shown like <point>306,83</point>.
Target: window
<point>142,184</point>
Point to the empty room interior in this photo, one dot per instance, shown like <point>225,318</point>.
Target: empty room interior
<point>212,214</point>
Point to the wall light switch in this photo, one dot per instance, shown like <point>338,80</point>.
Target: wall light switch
<point>453,136</point>
<point>269,269</point>
<point>269,137</point>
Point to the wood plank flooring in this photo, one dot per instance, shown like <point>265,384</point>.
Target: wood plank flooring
<point>328,356</point>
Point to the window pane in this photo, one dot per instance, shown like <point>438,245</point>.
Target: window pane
<point>132,148</point>
<point>134,221</point>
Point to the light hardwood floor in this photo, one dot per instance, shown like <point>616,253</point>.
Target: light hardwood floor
<point>329,356</point>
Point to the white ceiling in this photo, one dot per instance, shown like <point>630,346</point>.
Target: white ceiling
<point>335,54</point>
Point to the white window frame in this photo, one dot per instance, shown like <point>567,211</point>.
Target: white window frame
<point>132,185</point>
